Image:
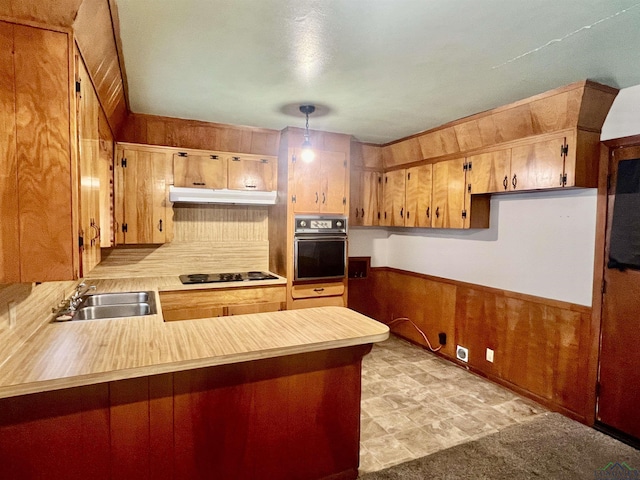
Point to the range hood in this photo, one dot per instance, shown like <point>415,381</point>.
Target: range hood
<point>209,195</point>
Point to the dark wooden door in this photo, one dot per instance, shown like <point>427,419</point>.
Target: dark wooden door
<point>619,395</point>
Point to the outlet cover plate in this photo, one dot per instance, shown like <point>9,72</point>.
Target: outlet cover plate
<point>462,353</point>
<point>489,355</point>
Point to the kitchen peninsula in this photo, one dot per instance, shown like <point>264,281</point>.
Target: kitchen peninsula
<point>269,395</point>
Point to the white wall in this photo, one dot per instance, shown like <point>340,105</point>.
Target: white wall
<point>623,119</point>
<point>539,243</point>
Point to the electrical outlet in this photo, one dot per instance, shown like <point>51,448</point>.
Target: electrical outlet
<point>489,355</point>
<point>462,353</point>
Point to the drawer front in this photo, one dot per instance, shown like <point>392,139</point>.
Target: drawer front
<point>318,302</point>
<point>317,290</point>
<point>255,308</point>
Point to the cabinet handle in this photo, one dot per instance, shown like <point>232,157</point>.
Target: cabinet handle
<point>318,290</point>
<point>357,211</point>
<point>437,212</point>
<point>324,198</point>
<point>97,231</point>
<point>561,179</point>
<point>363,213</point>
<point>250,186</point>
<point>316,197</point>
<point>428,208</point>
<point>401,213</point>
<point>201,184</point>
<point>505,182</point>
<point>160,225</point>
<point>514,181</point>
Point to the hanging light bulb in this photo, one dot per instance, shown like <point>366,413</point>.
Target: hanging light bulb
<point>307,153</point>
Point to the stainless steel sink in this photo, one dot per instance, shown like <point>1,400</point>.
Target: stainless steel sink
<point>116,298</point>
<point>116,305</point>
<point>96,312</point>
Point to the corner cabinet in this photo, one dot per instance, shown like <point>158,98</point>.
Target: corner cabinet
<point>38,171</point>
<point>319,186</point>
<point>143,211</point>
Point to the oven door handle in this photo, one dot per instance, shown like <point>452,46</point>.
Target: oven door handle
<point>315,237</point>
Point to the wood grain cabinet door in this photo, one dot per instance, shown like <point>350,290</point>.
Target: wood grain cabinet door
<point>448,194</point>
<point>371,196</point>
<point>356,199</point>
<point>306,184</point>
<point>200,170</point>
<point>394,195</point>
<point>146,176</point>
<point>333,182</point>
<point>418,196</point>
<point>251,173</point>
<point>538,165</point>
<point>489,172</point>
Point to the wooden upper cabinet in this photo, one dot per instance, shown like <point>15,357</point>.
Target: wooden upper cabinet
<point>250,172</point>
<point>366,193</point>
<point>448,194</point>
<point>88,109</point>
<point>144,179</point>
<point>196,170</point>
<point>393,211</point>
<point>418,196</point>
<point>39,240</point>
<point>319,186</point>
<point>489,172</point>
<point>539,164</point>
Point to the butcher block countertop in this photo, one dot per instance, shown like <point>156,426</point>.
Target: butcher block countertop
<point>69,354</point>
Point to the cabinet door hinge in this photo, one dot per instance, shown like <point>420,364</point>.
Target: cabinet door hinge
<point>293,199</point>
<point>344,200</point>
<point>380,179</point>
<point>464,166</point>
<point>124,228</point>
<point>608,182</point>
<point>235,159</point>
<point>183,154</point>
<point>123,162</point>
<point>564,179</point>
<point>564,150</point>
<point>78,86</point>
<point>469,187</point>
<point>214,157</point>
<point>464,214</point>
<point>603,288</point>
<point>293,159</point>
<point>345,164</point>
<point>264,160</point>
<point>469,165</point>
<point>598,389</point>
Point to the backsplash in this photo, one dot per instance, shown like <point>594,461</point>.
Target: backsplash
<point>32,304</point>
<point>220,223</point>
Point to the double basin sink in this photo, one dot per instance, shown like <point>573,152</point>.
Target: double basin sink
<point>115,305</point>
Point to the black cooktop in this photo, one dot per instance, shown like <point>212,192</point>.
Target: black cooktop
<point>225,277</point>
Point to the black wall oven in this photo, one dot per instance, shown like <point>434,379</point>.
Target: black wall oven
<point>320,247</point>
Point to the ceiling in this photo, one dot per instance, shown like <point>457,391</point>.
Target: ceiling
<point>378,69</point>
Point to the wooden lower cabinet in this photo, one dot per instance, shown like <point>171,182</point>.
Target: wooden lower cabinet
<point>283,418</point>
<point>318,295</point>
<point>206,303</point>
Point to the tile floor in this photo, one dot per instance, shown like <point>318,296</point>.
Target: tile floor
<point>415,403</point>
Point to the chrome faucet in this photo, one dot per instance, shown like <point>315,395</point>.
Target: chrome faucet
<point>81,291</point>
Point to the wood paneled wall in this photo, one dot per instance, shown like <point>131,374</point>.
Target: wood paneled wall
<point>289,417</point>
<point>176,132</point>
<point>541,346</point>
<point>96,38</point>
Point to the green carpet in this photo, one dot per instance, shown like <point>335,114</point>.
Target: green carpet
<point>549,447</point>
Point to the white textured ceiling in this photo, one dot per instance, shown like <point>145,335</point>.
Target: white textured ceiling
<point>381,69</point>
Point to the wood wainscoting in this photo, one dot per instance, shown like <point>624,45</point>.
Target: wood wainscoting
<point>541,346</point>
